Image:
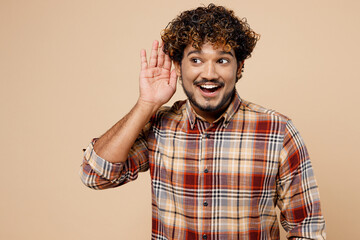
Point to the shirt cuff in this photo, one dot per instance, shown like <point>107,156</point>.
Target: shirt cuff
<point>108,170</point>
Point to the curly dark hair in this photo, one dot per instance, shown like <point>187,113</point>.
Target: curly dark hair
<point>214,24</point>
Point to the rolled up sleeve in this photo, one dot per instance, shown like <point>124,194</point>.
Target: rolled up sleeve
<point>97,173</point>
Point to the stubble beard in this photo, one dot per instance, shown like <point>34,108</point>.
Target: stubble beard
<point>208,108</point>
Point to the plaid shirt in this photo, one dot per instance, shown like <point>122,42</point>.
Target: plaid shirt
<point>220,180</point>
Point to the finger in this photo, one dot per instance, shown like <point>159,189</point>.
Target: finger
<point>173,79</point>
<point>161,57</point>
<point>154,54</point>
<point>167,62</point>
<point>144,63</point>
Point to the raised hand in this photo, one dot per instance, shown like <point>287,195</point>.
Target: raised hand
<point>157,81</point>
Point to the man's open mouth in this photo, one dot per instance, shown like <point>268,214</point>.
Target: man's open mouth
<point>209,88</point>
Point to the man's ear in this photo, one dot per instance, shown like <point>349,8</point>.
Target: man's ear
<point>177,66</point>
<point>239,70</point>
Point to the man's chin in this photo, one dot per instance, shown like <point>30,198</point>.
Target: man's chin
<point>214,104</point>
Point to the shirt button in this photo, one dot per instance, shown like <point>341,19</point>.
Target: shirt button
<point>206,170</point>
<point>205,203</point>
<point>204,236</point>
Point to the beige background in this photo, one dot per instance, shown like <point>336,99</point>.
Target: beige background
<point>69,70</point>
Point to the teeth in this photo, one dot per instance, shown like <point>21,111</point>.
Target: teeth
<point>209,86</point>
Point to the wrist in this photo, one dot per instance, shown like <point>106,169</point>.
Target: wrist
<point>147,107</point>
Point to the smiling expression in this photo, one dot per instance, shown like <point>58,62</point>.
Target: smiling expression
<point>208,78</point>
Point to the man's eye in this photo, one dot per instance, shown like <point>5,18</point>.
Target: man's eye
<point>195,60</point>
<point>222,60</point>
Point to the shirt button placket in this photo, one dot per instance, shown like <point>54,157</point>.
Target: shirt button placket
<point>205,203</point>
<point>206,136</point>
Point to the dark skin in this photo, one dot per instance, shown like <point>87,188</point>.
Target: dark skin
<point>209,76</point>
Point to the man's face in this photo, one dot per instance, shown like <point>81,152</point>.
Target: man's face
<point>208,78</point>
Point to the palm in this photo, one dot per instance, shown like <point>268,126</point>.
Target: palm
<point>157,81</point>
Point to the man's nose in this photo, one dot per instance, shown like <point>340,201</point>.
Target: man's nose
<point>209,71</point>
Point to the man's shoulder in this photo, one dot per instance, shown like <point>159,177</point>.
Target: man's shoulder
<point>260,111</point>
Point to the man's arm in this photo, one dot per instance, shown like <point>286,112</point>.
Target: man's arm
<point>157,86</point>
<point>106,158</point>
<point>298,195</point>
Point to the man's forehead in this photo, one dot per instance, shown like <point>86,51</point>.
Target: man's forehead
<point>209,47</point>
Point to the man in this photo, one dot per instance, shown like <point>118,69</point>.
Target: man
<point>219,164</point>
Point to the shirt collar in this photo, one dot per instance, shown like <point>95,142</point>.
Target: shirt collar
<point>227,115</point>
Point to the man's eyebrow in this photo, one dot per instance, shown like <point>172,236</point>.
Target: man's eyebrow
<point>193,51</point>
<point>224,52</point>
<point>199,52</point>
